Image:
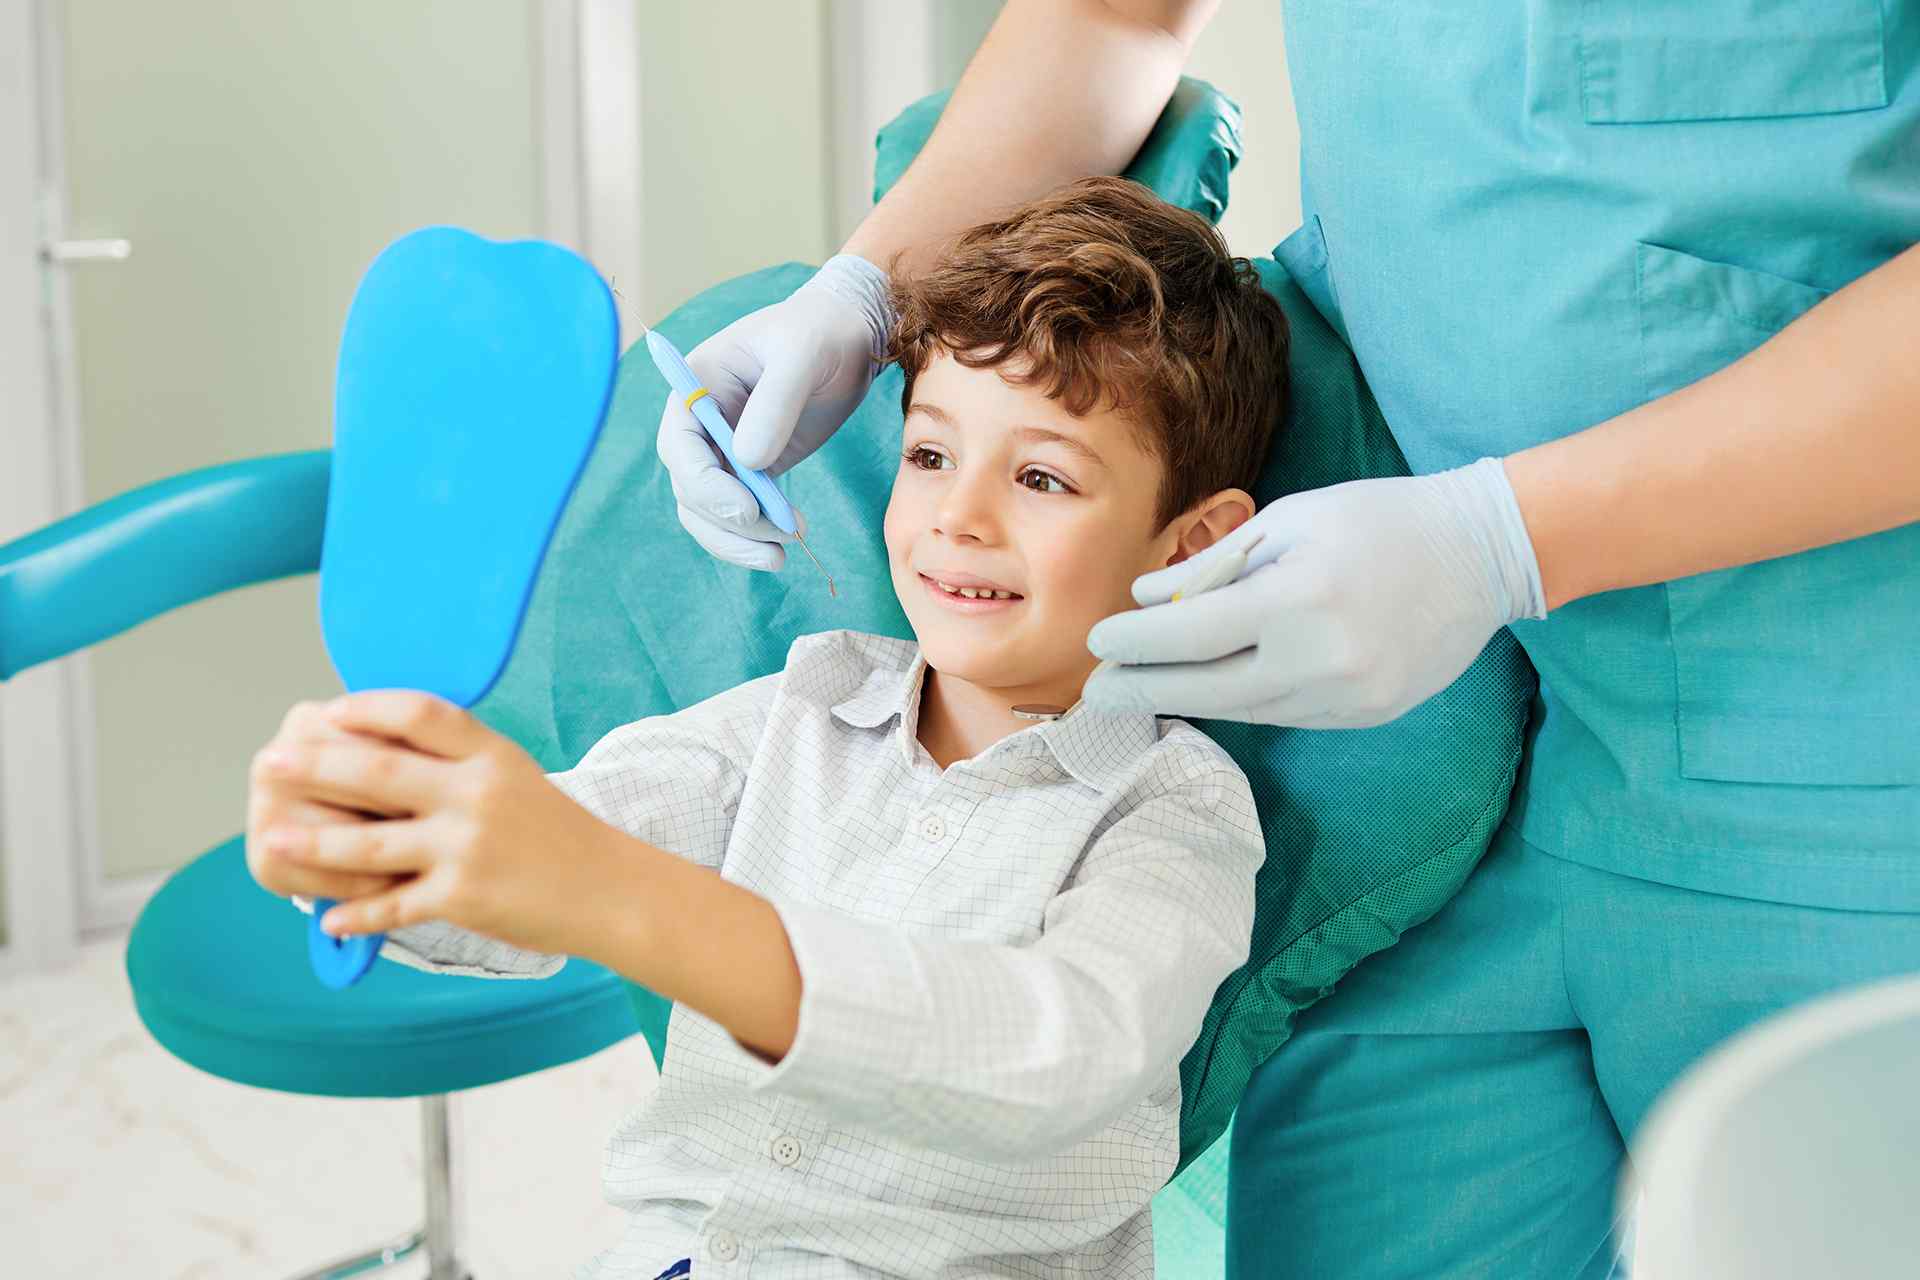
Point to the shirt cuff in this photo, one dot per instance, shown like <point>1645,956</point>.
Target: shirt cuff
<point>864,1013</point>
<point>437,947</point>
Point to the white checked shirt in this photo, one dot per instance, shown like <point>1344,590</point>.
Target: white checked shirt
<point>1003,964</point>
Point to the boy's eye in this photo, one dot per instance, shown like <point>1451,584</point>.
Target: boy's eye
<point>1044,481</point>
<point>927,459</point>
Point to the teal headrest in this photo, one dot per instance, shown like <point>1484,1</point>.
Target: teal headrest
<point>1369,831</point>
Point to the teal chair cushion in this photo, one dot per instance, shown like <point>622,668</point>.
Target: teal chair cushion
<point>1369,831</point>
<point>219,972</point>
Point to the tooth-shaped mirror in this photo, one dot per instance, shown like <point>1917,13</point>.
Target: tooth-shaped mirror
<point>472,382</point>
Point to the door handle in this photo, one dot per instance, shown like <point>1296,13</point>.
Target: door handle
<point>64,251</point>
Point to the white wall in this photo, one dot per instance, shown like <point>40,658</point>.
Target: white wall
<point>1241,53</point>
<point>736,172</point>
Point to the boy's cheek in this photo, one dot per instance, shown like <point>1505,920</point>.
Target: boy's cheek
<point>1088,579</point>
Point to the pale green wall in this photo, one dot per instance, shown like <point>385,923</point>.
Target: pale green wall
<point>258,156</point>
<point>734,141</point>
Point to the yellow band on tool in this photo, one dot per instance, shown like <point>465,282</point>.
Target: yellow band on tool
<point>695,396</point>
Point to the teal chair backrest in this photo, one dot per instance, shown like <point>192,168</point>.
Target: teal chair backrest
<point>1369,831</point>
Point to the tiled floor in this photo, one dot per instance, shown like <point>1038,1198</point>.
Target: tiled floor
<point>119,1161</point>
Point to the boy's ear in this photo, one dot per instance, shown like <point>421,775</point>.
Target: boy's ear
<point>1210,520</point>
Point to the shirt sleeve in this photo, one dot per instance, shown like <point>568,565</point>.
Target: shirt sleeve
<point>438,947</point>
<point>1000,1052</point>
<point>674,781</point>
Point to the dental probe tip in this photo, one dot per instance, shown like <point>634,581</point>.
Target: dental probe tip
<point>644,330</point>
<point>816,564</point>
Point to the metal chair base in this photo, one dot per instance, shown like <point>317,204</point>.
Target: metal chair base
<point>436,1237</point>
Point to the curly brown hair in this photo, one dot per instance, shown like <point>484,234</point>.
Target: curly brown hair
<point>1104,294</point>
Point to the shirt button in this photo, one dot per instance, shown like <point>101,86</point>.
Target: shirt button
<point>933,827</point>
<point>785,1150</point>
<point>724,1247</point>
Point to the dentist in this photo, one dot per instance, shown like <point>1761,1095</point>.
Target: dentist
<point>1636,288</point>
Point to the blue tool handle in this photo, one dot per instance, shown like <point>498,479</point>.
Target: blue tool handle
<point>339,962</point>
<point>759,483</point>
<point>686,384</point>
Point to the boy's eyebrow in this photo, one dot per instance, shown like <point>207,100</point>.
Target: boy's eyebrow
<point>945,419</point>
<point>1065,441</point>
<point>933,411</point>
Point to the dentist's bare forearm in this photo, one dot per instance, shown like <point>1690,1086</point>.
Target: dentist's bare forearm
<point>681,931</point>
<point>1813,438</point>
<point>1060,89</point>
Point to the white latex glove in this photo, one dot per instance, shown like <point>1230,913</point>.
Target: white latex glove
<point>1361,601</point>
<point>786,377</point>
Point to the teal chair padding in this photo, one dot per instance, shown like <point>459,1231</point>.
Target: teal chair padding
<point>1369,831</point>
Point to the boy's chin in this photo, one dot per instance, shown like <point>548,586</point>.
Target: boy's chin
<point>986,666</point>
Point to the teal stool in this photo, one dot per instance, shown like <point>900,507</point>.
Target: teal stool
<point>247,1007</point>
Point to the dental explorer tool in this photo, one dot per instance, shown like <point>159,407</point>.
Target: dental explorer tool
<point>686,384</point>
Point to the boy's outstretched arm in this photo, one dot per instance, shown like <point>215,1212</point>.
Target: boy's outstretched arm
<point>494,867</point>
<point>479,837</point>
<point>703,942</point>
<point>993,1051</point>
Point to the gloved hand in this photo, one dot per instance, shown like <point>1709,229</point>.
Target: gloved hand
<point>1361,601</point>
<point>786,377</point>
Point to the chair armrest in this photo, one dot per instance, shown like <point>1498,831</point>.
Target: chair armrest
<point>135,556</point>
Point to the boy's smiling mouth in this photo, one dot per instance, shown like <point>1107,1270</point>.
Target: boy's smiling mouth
<point>969,594</point>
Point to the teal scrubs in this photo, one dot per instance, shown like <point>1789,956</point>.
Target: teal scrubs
<point>1528,217</point>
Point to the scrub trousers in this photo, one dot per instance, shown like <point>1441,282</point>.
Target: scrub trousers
<point>1460,1105</point>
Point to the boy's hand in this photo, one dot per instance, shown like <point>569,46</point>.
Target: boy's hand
<point>271,803</point>
<point>476,833</point>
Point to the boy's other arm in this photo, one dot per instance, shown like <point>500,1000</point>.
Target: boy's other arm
<point>992,1051</point>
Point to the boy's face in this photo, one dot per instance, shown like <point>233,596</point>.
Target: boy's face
<point>1002,490</point>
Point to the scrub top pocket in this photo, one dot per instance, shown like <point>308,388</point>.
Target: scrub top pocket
<point>1649,61</point>
<point>1304,255</point>
<point>1802,669</point>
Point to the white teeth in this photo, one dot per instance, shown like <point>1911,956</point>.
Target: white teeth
<point>972,593</point>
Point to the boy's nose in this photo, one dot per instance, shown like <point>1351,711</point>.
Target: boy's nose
<point>967,512</point>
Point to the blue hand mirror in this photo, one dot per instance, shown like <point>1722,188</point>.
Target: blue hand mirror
<point>473,378</point>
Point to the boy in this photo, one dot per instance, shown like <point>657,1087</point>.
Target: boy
<point>930,1012</point>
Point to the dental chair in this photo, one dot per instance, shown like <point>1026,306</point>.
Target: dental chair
<point>1369,831</point>
<point>1791,1150</point>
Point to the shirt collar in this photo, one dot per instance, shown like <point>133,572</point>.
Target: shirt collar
<point>885,693</point>
<point>1098,748</point>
